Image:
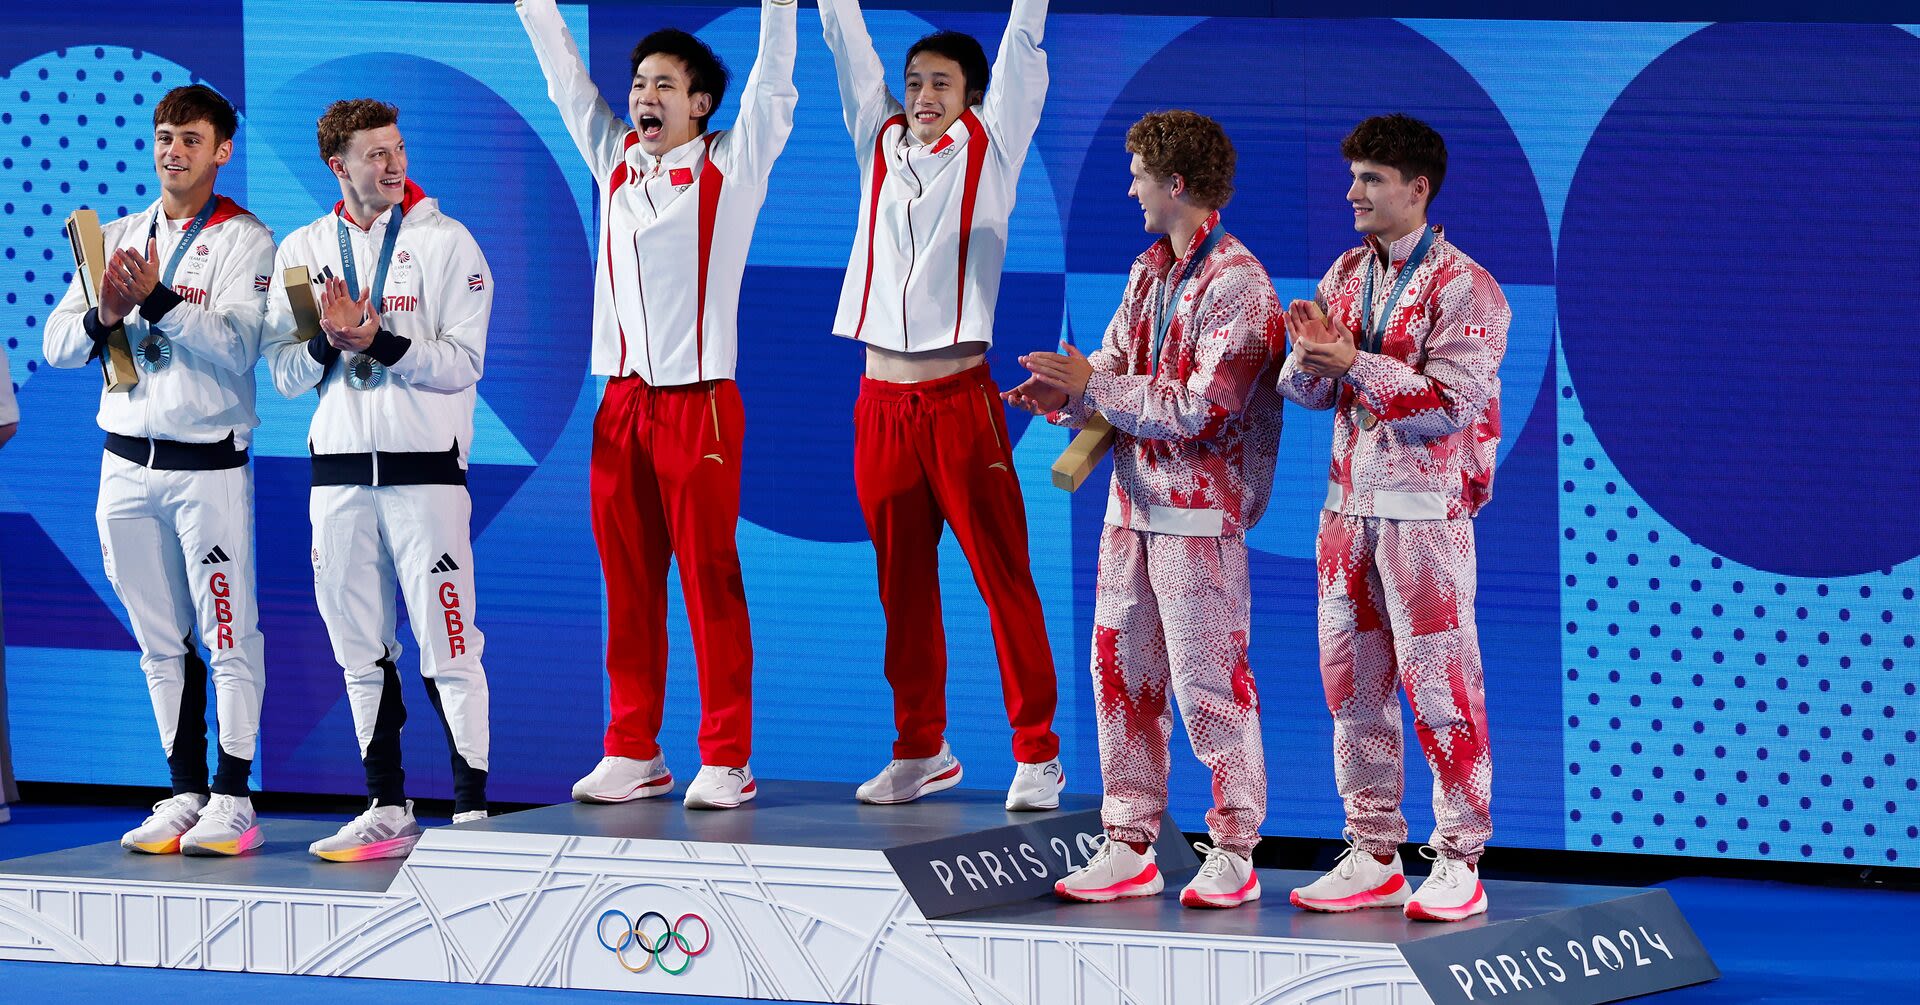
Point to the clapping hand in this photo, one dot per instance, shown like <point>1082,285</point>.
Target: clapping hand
<point>1321,346</point>
<point>349,324</point>
<point>131,278</point>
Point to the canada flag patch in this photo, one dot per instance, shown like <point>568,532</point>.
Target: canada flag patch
<point>680,177</point>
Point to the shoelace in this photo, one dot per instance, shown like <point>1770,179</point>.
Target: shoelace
<point>362,825</point>
<point>172,807</point>
<point>1350,859</point>
<point>220,810</point>
<point>1216,859</point>
<point>1105,852</point>
<point>1443,867</point>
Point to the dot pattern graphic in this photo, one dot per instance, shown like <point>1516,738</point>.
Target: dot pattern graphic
<point>76,130</point>
<point>1717,710</point>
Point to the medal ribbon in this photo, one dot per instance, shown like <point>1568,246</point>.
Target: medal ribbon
<point>1371,336</point>
<point>380,271</point>
<point>186,238</point>
<point>1165,308</point>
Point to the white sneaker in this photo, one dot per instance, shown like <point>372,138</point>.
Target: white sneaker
<point>905,781</point>
<point>718,788</point>
<point>1225,879</point>
<point>1451,892</point>
<point>1114,872</point>
<point>1036,787</point>
<point>469,816</point>
<point>1357,881</point>
<point>380,832</point>
<point>624,779</point>
<point>226,827</point>
<point>172,817</point>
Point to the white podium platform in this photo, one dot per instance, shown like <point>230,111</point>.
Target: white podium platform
<point>794,895</point>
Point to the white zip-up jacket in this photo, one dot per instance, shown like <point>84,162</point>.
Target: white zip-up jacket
<point>932,238</point>
<point>674,229</point>
<point>211,314</point>
<point>433,318</point>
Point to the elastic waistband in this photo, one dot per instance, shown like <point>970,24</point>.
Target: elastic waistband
<point>173,455</point>
<point>956,383</point>
<point>633,383</point>
<point>390,467</point>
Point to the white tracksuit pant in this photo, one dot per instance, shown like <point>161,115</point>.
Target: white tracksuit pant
<point>178,549</point>
<point>364,539</point>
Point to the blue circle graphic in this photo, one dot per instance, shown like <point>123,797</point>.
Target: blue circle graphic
<point>1733,303</point>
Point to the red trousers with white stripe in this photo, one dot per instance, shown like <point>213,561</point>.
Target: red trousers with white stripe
<point>665,485</point>
<point>931,453</point>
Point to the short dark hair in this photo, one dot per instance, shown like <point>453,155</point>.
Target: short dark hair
<point>1403,143</point>
<point>196,103</point>
<point>706,74</point>
<point>351,115</point>
<point>962,48</point>
<point>1190,145</point>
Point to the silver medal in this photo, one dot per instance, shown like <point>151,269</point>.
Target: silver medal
<point>364,373</point>
<point>155,352</point>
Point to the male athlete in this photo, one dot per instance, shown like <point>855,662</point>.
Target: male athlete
<point>187,277</point>
<point>1404,343</point>
<point>1185,375</point>
<point>677,210</point>
<point>403,338</point>
<point>938,177</point>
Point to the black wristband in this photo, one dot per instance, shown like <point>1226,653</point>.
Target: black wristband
<point>159,302</point>
<point>388,347</point>
<point>322,351</point>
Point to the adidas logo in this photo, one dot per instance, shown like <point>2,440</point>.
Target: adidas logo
<point>215,557</point>
<point>445,565</point>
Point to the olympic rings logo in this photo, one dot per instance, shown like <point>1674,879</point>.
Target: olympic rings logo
<point>633,933</point>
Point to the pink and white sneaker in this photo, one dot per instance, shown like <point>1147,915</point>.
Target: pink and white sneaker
<point>1226,879</point>
<point>1451,892</point>
<point>1115,871</point>
<point>1356,882</point>
<point>380,832</point>
<point>903,781</point>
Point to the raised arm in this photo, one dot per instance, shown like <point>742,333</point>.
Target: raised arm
<point>1019,89</point>
<point>865,100</point>
<point>596,129</point>
<point>760,131</point>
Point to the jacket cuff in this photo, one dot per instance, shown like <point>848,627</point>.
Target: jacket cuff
<point>159,302</point>
<point>95,330</point>
<point>388,347</point>
<point>322,351</point>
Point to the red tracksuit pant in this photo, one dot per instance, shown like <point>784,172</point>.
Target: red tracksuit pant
<point>933,452</point>
<point>666,484</point>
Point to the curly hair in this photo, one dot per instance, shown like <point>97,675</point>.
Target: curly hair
<point>1190,145</point>
<point>346,117</point>
<point>1402,143</point>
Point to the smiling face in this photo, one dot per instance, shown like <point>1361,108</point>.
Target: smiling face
<point>1386,203</point>
<point>187,156</point>
<point>1159,203</point>
<point>373,168</point>
<point>662,106</point>
<point>936,95</point>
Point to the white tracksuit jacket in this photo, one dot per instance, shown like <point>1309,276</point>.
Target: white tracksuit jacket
<point>674,230</point>
<point>212,318</point>
<point>925,267</point>
<point>437,302</point>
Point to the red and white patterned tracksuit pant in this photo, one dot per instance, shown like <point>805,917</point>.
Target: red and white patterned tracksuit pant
<point>1396,610</point>
<point>1172,613</point>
